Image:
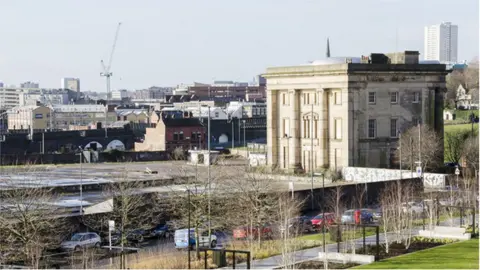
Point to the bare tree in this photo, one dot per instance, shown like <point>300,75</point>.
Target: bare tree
<point>287,209</point>
<point>430,148</point>
<point>30,221</point>
<point>255,204</point>
<point>397,215</point>
<point>192,202</point>
<point>470,153</point>
<point>468,78</point>
<point>455,143</point>
<point>131,208</point>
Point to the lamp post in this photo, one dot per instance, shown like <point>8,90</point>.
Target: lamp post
<point>323,208</point>
<point>189,214</point>
<point>81,180</point>
<point>244,134</point>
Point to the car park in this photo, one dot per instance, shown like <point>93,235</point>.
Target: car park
<point>81,240</point>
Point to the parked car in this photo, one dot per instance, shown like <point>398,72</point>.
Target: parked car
<point>357,216</point>
<point>414,207</point>
<point>300,225</point>
<point>161,231</point>
<point>135,237</point>
<point>205,240</point>
<point>82,240</point>
<point>244,232</point>
<point>318,221</point>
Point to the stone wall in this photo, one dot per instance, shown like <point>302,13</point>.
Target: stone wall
<point>367,175</point>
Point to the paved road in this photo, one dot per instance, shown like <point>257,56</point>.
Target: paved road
<point>276,261</point>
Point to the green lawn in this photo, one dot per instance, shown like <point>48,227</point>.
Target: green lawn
<point>462,127</point>
<point>345,235</point>
<point>464,114</point>
<point>461,255</point>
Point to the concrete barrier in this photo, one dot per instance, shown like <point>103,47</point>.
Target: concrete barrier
<point>346,257</point>
<point>444,232</point>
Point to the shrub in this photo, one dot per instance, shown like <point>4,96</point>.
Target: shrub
<point>432,240</point>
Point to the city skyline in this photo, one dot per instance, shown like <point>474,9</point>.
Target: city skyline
<point>168,43</point>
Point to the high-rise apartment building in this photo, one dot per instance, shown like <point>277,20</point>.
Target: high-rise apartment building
<point>441,42</point>
<point>72,84</point>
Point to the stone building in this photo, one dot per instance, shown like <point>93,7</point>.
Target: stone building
<point>351,109</point>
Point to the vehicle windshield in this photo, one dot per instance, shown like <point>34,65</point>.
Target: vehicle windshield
<point>318,216</point>
<point>348,213</point>
<point>76,237</point>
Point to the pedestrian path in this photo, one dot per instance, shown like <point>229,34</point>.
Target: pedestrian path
<point>312,253</point>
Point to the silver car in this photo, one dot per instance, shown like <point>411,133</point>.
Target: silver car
<point>82,240</point>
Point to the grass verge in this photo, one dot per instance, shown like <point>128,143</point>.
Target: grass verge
<point>461,255</point>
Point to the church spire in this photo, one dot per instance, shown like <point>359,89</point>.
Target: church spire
<point>328,48</point>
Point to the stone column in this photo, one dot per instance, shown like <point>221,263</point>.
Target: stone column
<point>295,125</point>
<point>272,128</point>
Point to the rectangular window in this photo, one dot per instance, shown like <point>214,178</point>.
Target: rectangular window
<point>393,128</point>
<point>338,98</point>
<point>286,127</point>
<point>308,98</point>
<point>394,97</point>
<point>372,98</point>
<point>372,128</point>
<point>175,136</point>
<point>316,129</point>
<point>284,99</point>
<point>416,97</point>
<point>180,136</point>
<point>338,128</point>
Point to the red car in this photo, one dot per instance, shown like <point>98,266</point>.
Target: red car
<point>317,221</point>
<point>244,232</point>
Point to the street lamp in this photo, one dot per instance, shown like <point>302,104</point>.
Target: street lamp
<point>81,180</point>
<point>244,137</point>
<point>323,206</point>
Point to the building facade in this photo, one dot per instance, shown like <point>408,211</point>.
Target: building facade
<point>349,111</point>
<point>441,42</point>
<point>29,85</point>
<point>9,97</point>
<point>29,117</point>
<point>170,133</point>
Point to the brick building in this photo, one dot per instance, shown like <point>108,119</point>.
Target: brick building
<point>171,132</point>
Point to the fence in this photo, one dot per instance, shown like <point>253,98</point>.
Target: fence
<point>220,255</point>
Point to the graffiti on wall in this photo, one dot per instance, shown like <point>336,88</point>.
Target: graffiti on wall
<point>366,175</point>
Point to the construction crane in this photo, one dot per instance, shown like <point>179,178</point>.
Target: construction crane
<point>107,74</point>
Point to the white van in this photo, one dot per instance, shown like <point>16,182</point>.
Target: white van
<point>181,239</point>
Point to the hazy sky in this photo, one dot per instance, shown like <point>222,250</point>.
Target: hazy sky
<point>180,41</point>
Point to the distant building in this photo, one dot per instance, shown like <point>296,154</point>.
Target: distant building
<point>9,97</point>
<point>153,92</point>
<point>28,117</point>
<point>72,84</point>
<point>119,94</point>
<point>351,109</point>
<point>170,133</point>
<point>132,115</point>
<point>29,85</point>
<point>238,109</point>
<point>44,96</point>
<point>79,115</point>
<point>441,42</point>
